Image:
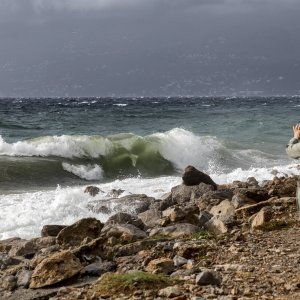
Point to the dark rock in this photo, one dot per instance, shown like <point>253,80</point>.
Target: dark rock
<point>52,230</point>
<point>192,176</point>
<point>74,234</point>
<point>124,218</point>
<point>166,202</point>
<point>252,181</point>
<point>22,248</point>
<point>207,277</point>
<point>212,198</point>
<point>114,193</point>
<point>204,217</point>
<point>92,190</point>
<point>6,260</point>
<point>99,268</point>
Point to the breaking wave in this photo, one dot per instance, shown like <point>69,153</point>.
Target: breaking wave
<point>63,158</point>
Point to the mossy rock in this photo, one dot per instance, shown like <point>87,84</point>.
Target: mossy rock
<point>113,284</point>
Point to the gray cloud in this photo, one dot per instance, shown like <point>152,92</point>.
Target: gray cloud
<point>153,47</point>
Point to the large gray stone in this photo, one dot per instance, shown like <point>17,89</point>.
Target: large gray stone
<point>183,195</point>
<point>74,234</point>
<point>208,277</point>
<point>151,217</point>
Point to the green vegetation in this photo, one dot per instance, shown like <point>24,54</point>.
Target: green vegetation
<point>201,235</point>
<point>275,225</point>
<point>112,283</point>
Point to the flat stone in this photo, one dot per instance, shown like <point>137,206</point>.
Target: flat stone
<point>54,269</point>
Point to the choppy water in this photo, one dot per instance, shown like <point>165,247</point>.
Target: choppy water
<point>130,143</point>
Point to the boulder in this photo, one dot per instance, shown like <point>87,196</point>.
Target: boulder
<point>175,213</point>
<point>182,194</point>
<point>208,277</point>
<point>240,199</point>
<point>161,265</point>
<point>74,234</point>
<point>176,230</point>
<point>54,269</point>
<point>125,218</point>
<point>52,230</point>
<point>123,232</point>
<point>192,176</point>
<point>92,190</point>
<point>212,198</point>
<point>151,217</point>
<point>22,248</point>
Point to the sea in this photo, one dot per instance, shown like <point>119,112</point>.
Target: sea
<point>51,149</point>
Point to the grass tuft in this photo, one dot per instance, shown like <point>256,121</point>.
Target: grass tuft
<point>112,284</point>
<point>275,225</point>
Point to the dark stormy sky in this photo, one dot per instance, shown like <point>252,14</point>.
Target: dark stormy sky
<point>149,47</point>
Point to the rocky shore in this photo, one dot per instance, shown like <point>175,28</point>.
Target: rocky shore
<point>200,241</point>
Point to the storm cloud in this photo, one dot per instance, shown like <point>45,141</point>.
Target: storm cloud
<point>149,47</point>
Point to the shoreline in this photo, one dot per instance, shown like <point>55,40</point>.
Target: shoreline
<point>206,240</point>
